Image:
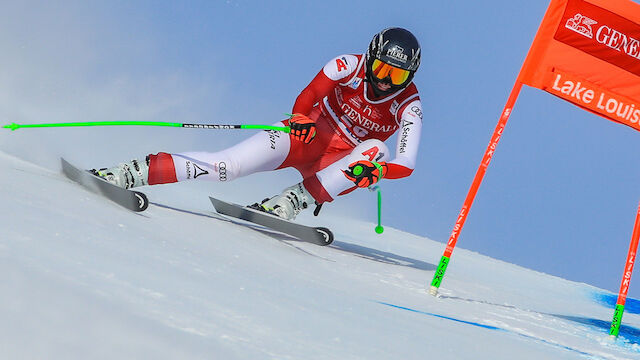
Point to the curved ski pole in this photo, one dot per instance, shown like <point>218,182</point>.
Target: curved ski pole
<point>14,126</point>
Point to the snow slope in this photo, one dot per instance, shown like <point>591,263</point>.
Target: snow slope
<point>85,279</point>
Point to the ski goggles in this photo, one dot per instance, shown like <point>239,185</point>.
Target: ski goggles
<point>381,70</point>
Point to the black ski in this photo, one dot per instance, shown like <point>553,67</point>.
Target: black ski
<point>316,235</point>
<point>132,200</point>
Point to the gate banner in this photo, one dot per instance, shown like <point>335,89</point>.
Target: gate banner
<point>588,53</point>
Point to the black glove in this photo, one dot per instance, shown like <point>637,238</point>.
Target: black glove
<point>365,173</point>
<point>302,128</point>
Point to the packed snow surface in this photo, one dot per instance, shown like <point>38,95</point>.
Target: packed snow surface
<point>83,278</point>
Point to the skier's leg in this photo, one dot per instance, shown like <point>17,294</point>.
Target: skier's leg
<point>325,184</point>
<point>262,152</point>
<point>330,182</point>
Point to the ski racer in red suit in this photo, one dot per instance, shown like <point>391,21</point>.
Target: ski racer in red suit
<point>339,124</point>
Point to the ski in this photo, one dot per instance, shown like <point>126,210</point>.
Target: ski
<point>132,200</point>
<point>316,235</point>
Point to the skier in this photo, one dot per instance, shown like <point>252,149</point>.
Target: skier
<point>339,124</point>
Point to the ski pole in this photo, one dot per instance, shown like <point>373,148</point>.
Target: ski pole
<point>379,227</point>
<point>14,126</point>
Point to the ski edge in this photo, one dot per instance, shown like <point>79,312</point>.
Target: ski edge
<point>316,235</point>
<point>129,199</point>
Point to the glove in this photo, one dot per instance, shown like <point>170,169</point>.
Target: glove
<point>302,128</point>
<point>365,173</point>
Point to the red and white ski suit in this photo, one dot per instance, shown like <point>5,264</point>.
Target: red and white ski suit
<point>351,126</point>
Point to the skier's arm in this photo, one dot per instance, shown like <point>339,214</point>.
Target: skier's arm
<point>314,92</point>
<point>329,77</point>
<point>408,142</point>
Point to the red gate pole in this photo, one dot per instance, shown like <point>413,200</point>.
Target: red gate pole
<point>626,278</point>
<point>475,185</point>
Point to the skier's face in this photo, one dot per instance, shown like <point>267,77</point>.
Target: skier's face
<point>383,86</point>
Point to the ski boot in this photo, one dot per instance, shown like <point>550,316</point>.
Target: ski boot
<point>126,175</point>
<point>287,205</point>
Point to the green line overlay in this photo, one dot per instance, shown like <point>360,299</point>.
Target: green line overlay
<point>379,228</point>
<point>14,126</point>
<point>617,320</point>
<point>267,127</point>
<point>439,275</point>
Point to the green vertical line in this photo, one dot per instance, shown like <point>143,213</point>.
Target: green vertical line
<point>379,228</point>
<point>617,320</point>
<point>439,275</point>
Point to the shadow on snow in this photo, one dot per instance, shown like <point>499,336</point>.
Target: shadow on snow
<point>357,250</point>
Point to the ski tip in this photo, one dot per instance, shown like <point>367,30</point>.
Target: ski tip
<point>143,201</point>
<point>327,235</point>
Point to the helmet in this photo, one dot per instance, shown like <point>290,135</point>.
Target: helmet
<point>392,58</point>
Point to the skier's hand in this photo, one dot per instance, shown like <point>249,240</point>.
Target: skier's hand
<point>302,128</point>
<point>365,173</point>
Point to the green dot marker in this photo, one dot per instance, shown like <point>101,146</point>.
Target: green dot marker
<point>379,229</point>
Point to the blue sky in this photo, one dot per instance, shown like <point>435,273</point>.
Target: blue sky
<point>560,195</point>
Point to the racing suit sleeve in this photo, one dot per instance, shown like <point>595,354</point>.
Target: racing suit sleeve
<point>329,77</point>
<point>408,142</point>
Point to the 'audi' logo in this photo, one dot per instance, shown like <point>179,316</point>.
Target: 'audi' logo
<point>222,171</point>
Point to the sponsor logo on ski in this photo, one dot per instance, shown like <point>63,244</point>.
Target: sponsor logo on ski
<point>140,199</point>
